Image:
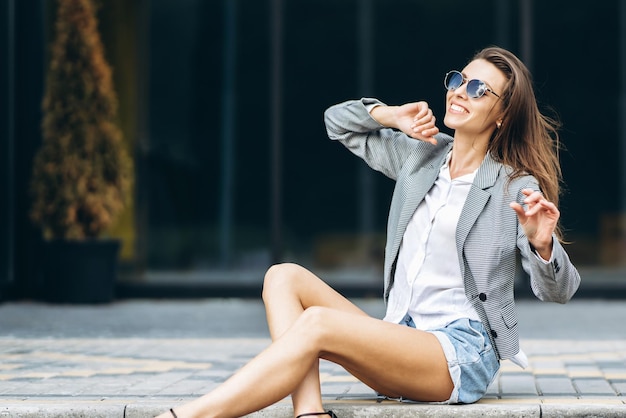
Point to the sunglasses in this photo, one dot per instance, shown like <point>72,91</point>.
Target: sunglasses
<point>475,88</point>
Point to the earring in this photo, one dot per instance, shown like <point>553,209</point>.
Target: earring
<point>499,124</point>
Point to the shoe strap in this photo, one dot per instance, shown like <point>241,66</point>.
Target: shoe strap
<point>309,414</point>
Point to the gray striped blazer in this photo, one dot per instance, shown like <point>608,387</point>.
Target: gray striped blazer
<point>492,248</point>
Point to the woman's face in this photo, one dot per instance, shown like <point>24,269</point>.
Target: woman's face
<point>476,116</point>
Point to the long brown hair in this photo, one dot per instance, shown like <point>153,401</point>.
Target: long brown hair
<point>527,140</point>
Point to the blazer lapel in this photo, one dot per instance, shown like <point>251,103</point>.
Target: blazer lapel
<point>415,187</point>
<point>476,200</point>
<point>421,181</point>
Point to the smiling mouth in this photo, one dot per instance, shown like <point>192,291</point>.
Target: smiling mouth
<point>457,108</point>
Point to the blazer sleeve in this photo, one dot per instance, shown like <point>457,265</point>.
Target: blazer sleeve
<point>383,149</point>
<point>554,281</point>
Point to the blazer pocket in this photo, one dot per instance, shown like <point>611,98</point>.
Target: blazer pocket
<point>509,315</point>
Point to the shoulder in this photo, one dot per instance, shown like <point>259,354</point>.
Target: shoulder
<point>515,183</point>
<point>514,179</point>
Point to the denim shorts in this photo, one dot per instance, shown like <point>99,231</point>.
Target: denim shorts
<point>472,361</point>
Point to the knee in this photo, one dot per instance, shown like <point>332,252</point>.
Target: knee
<point>279,277</point>
<point>314,317</point>
<point>315,322</point>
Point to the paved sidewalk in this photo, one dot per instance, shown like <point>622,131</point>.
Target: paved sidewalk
<point>138,358</point>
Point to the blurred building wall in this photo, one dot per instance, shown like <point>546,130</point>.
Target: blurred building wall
<point>198,98</point>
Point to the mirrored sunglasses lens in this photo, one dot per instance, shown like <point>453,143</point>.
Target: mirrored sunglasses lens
<point>476,89</point>
<point>453,81</point>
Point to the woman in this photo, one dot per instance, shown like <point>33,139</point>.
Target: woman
<point>469,214</point>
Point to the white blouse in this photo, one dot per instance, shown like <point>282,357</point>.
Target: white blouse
<point>428,284</point>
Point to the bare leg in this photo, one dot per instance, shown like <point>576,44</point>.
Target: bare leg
<point>288,290</point>
<point>392,359</point>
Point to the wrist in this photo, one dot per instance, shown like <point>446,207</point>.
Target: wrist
<point>385,115</point>
<point>544,250</point>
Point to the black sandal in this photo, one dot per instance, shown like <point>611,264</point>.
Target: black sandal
<point>329,413</point>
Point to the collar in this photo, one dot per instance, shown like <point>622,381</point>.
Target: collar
<point>487,173</point>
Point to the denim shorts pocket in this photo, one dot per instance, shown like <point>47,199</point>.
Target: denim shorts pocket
<point>480,338</point>
<point>469,342</point>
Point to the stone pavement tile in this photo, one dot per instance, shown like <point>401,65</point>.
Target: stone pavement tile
<point>187,387</point>
<point>518,384</point>
<point>615,374</point>
<point>574,350</point>
<point>213,375</point>
<point>359,389</point>
<point>555,386</point>
<point>334,390</point>
<point>620,387</point>
<point>593,386</point>
<point>56,386</point>
<point>610,360</point>
<point>151,384</point>
<point>35,387</point>
<point>109,386</point>
<point>548,367</point>
<point>584,371</point>
<point>13,386</point>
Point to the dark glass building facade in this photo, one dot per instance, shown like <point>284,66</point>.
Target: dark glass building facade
<point>222,104</point>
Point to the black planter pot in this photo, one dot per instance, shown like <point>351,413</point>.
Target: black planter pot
<point>78,272</point>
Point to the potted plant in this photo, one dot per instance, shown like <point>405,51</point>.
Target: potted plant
<point>82,174</point>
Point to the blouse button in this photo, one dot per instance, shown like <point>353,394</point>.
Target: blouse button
<point>482,297</point>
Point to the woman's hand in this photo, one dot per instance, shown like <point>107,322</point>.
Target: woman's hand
<point>417,121</point>
<point>539,221</point>
<point>414,119</point>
